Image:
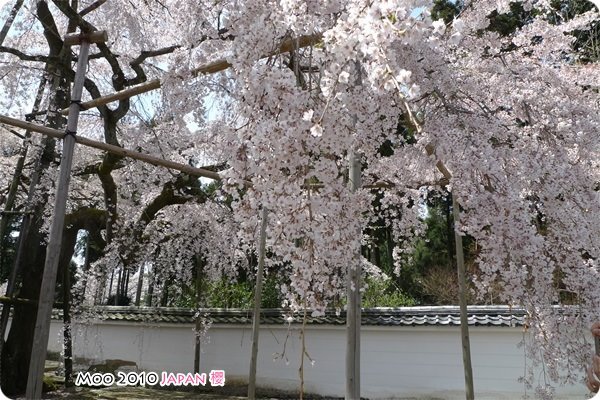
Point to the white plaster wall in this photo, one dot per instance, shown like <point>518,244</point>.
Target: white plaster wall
<point>397,362</point>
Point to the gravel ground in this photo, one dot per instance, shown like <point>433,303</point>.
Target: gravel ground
<point>119,393</point>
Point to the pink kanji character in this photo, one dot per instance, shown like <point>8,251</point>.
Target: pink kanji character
<point>217,377</point>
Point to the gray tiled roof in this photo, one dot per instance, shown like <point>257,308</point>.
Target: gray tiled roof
<point>403,316</point>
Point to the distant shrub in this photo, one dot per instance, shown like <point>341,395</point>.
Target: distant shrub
<point>383,293</point>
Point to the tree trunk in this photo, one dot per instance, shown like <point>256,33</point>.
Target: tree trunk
<point>126,286</point>
<point>449,227</point>
<point>100,289</point>
<point>165,293</point>
<point>389,247</point>
<point>16,353</point>
<point>10,20</point>
<point>151,283</point>
<point>110,286</point>
<point>5,219</point>
<point>85,268</point>
<point>140,284</point>
<point>118,291</point>
<point>17,350</point>
<point>31,254</point>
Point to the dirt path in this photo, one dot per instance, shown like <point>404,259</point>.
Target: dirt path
<point>124,393</point>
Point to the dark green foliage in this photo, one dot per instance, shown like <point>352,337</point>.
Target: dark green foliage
<point>429,276</point>
<point>445,10</point>
<point>437,246</point>
<point>506,24</point>
<point>270,295</point>
<point>586,43</point>
<point>227,293</point>
<point>385,294</point>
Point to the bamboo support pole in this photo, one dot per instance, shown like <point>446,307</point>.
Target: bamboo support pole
<point>161,162</point>
<point>207,69</point>
<point>44,312</point>
<point>16,300</point>
<point>462,284</point>
<point>55,133</point>
<point>462,299</point>
<point>198,322</point>
<point>73,39</point>
<point>257,301</point>
<point>353,312</point>
<point>123,94</point>
<point>287,45</point>
<point>12,212</point>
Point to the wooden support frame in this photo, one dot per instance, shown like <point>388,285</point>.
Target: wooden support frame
<point>207,69</point>
<point>55,133</point>
<point>354,311</point>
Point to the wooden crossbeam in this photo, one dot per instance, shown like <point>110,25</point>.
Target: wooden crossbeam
<point>188,169</point>
<point>207,69</point>
<point>55,133</point>
<point>123,94</point>
<point>12,212</point>
<point>92,37</point>
<point>287,45</point>
<point>16,300</point>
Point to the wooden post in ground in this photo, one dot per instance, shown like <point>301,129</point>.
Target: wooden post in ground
<point>353,312</point>
<point>257,301</point>
<point>462,298</point>
<point>42,325</point>
<point>198,337</point>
